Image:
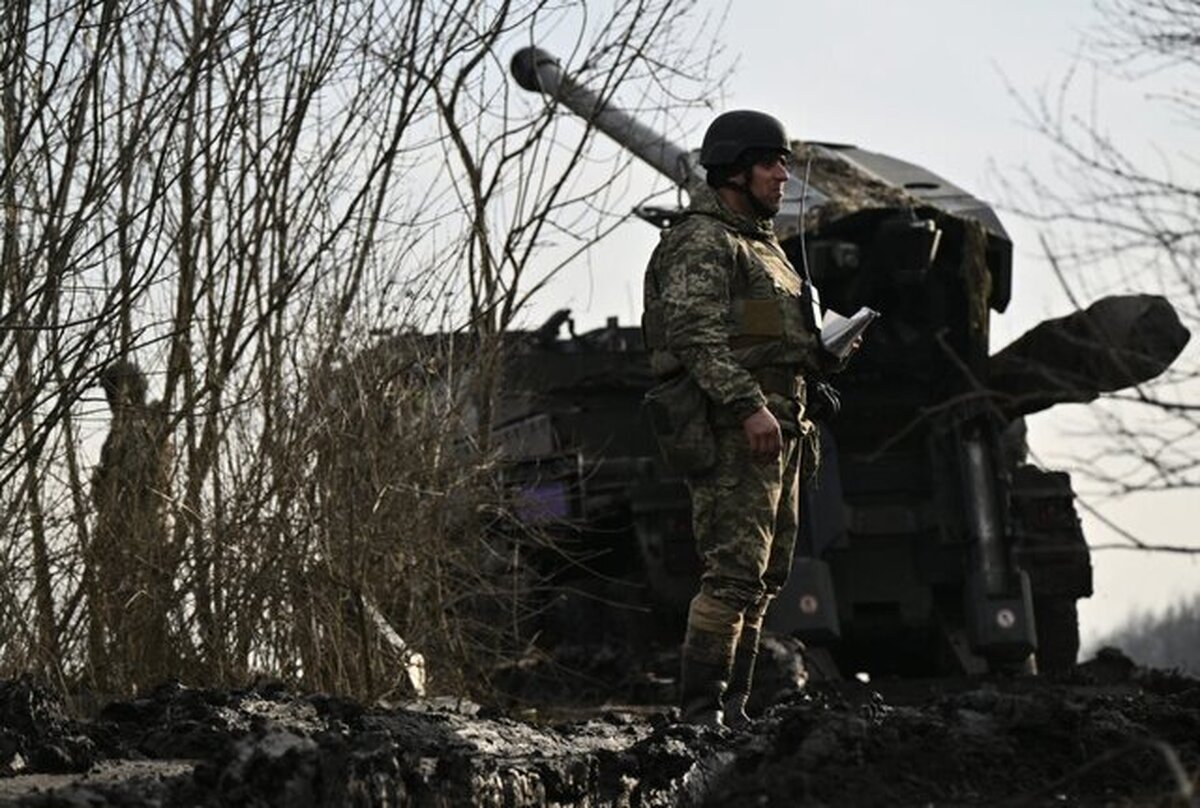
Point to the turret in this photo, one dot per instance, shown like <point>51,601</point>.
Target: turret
<point>874,225</point>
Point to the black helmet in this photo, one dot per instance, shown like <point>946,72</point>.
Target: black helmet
<point>732,134</point>
<point>123,375</point>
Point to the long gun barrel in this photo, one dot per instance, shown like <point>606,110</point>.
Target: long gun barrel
<point>537,71</point>
<point>1117,342</point>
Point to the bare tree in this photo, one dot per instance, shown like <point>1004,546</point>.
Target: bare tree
<point>517,173</point>
<point>233,197</point>
<point>1168,640</point>
<point>518,166</point>
<point>150,165</point>
<point>1116,222</point>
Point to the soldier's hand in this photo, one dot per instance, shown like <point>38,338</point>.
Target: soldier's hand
<point>762,430</point>
<point>824,402</point>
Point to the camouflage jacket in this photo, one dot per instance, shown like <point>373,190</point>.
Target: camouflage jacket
<point>723,303</point>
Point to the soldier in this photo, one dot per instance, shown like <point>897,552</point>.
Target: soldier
<point>130,558</point>
<point>732,337</point>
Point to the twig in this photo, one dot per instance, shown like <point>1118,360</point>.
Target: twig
<point>1136,543</point>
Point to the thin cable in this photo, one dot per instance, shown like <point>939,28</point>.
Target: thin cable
<point>804,199</point>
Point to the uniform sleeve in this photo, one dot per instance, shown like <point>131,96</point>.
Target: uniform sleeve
<point>694,282</point>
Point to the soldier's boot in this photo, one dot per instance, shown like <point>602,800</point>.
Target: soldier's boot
<point>742,677</point>
<point>706,658</point>
<point>701,685</point>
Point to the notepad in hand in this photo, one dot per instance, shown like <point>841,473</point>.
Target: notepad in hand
<point>838,333</point>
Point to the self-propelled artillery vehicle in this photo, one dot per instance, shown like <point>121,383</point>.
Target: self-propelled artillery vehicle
<point>929,544</point>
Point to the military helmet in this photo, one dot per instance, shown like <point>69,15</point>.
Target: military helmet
<point>125,376</point>
<point>732,134</point>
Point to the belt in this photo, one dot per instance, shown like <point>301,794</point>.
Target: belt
<point>782,380</point>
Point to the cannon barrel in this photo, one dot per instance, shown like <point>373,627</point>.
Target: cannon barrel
<point>537,71</point>
<point>1117,342</point>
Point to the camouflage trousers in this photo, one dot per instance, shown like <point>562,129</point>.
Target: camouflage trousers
<point>744,516</point>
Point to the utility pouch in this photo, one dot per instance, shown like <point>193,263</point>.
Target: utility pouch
<point>679,411</point>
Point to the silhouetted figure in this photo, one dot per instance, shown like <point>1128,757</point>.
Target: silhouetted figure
<point>131,560</point>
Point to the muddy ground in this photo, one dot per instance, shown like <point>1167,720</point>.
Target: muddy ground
<point>1108,734</point>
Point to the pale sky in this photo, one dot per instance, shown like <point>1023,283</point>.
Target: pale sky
<point>929,81</point>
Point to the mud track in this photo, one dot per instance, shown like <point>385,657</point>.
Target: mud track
<point>1108,735</point>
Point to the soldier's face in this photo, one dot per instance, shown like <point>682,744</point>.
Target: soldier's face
<point>767,178</point>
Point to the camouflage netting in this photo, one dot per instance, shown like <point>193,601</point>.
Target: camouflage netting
<point>850,190</point>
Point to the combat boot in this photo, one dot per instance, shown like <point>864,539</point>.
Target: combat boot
<point>741,679</point>
<point>701,685</point>
<point>734,715</point>
<point>706,658</point>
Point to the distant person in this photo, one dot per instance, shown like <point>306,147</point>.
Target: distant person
<point>130,558</point>
<point>733,337</point>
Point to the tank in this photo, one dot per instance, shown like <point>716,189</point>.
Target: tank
<point>929,543</point>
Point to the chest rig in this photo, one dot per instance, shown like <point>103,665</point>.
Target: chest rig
<point>772,315</point>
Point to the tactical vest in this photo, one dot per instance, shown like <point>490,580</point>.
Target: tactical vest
<point>769,329</point>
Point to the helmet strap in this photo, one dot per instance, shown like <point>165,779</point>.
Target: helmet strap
<point>761,211</point>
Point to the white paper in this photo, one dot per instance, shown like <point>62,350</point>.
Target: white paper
<point>838,333</point>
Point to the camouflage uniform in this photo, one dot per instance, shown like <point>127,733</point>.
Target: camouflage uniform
<point>723,307</point>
